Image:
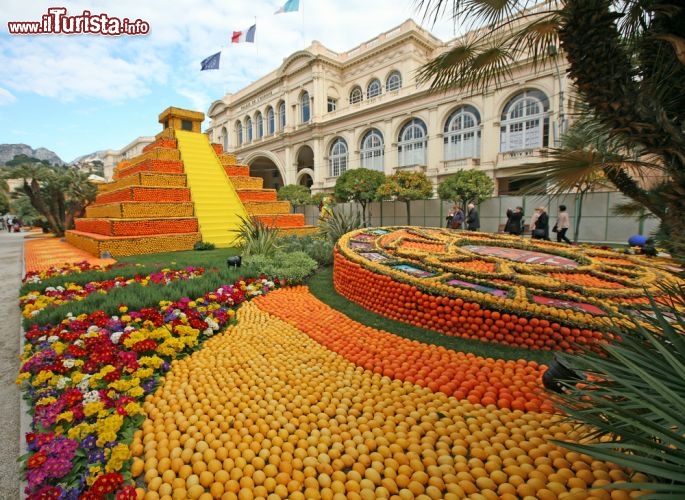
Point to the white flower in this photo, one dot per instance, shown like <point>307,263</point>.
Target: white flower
<point>62,382</point>
<point>68,363</point>
<point>91,397</point>
<point>53,338</point>
<point>208,332</point>
<point>115,337</point>
<point>84,383</point>
<point>93,329</point>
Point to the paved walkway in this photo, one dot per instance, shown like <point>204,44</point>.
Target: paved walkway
<point>19,253</point>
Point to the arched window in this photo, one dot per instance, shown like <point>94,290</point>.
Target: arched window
<point>412,143</point>
<point>356,95</point>
<point>281,115</point>
<point>373,89</point>
<point>239,133</point>
<point>525,124</point>
<point>372,150</point>
<point>270,121</point>
<point>337,159</point>
<point>248,129</point>
<point>462,134</point>
<point>304,107</point>
<point>260,125</point>
<point>224,138</point>
<point>393,82</point>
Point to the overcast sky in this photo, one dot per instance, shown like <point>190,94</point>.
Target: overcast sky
<point>79,93</point>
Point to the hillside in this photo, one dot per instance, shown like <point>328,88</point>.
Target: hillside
<point>9,151</point>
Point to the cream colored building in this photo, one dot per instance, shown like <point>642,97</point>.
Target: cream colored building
<point>321,113</point>
<point>112,157</point>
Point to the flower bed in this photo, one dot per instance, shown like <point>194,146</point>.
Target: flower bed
<point>85,380</point>
<point>32,303</point>
<point>492,287</point>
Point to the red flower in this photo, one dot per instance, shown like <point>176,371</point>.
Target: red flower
<point>36,460</point>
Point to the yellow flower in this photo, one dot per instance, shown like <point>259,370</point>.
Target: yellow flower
<point>67,416</point>
<point>93,408</point>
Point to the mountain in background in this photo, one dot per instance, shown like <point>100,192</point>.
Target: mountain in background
<point>9,151</point>
<point>89,158</point>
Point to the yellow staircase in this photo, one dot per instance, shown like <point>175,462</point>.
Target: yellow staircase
<point>217,206</point>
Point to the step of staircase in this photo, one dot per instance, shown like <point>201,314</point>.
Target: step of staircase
<point>150,179</point>
<point>257,195</point>
<point>137,227</point>
<point>140,209</point>
<point>281,220</point>
<point>267,207</point>
<point>145,193</point>
<point>122,246</point>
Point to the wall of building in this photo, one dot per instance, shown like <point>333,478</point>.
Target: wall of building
<point>324,74</point>
<point>598,224</point>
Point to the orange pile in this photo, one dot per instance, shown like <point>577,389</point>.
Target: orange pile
<point>264,411</point>
<point>507,384</point>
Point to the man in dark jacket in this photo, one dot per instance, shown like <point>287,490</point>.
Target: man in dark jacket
<point>472,218</point>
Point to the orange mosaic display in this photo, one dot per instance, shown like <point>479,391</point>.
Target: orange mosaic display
<point>149,197</point>
<point>257,195</point>
<point>143,193</point>
<point>141,227</point>
<point>163,142</point>
<point>161,166</point>
<point>494,288</point>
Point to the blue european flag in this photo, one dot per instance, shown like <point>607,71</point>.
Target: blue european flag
<point>212,62</point>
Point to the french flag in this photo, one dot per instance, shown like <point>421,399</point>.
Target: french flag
<point>245,35</point>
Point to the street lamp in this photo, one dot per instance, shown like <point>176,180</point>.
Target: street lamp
<point>553,53</point>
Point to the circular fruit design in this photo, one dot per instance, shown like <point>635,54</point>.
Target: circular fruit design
<point>498,288</point>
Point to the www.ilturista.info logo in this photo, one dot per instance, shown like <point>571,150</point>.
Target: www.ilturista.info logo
<point>57,22</point>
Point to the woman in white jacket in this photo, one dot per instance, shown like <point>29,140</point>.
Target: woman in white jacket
<point>562,225</point>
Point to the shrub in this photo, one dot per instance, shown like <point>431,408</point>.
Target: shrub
<point>293,267</point>
<point>203,245</point>
<point>318,248</point>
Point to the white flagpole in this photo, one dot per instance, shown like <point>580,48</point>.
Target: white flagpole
<point>304,39</point>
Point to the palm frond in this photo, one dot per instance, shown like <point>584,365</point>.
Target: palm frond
<point>471,66</point>
<point>633,411</point>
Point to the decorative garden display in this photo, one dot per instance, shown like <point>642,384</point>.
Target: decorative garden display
<point>179,191</point>
<point>495,288</point>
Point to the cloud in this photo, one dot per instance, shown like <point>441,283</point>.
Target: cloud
<point>6,97</point>
<point>181,35</point>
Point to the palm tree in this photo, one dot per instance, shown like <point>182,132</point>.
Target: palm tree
<point>626,58</point>
<point>58,194</point>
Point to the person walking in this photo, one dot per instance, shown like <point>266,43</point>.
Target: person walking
<point>472,218</point>
<point>540,224</point>
<point>455,218</point>
<point>514,223</point>
<point>562,225</point>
